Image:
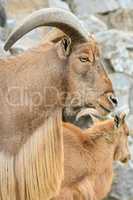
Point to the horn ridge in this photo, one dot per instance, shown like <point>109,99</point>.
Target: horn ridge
<point>55,17</point>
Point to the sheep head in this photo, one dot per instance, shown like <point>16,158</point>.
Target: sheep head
<point>86,83</point>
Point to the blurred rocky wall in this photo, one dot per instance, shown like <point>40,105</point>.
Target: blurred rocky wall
<point>20,7</point>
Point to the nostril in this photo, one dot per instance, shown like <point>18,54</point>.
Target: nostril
<point>113,100</point>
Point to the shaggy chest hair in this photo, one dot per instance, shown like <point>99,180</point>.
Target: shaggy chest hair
<point>89,156</point>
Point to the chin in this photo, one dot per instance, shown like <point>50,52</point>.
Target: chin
<point>85,121</point>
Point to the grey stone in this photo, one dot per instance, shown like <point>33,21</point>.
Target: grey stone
<point>131,100</point>
<point>27,41</point>
<point>3,2</point>
<point>3,15</point>
<point>32,39</point>
<point>130,123</point>
<point>117,46</point>
<point>122,62</point>
<point>122,101</point>
<point>114,38</point>
<point>93,24</point>
<point>11,24</point>
<point>123,190</point>
<point>121,84</point>
<point>3,35</point>
<point>94,6</point>
<point>58,4</point>
<point>4,32</point>
<point>91,6</point>
<point>2,52</point>
<point>122,19</point>
<point>125,3</point>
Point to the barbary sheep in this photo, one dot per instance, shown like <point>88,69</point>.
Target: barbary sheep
<point>39,88</point>
<point>89,157</point>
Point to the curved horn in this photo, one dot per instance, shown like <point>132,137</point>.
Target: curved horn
<point>55,17</point>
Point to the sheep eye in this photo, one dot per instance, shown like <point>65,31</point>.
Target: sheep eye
<point>83,59</point>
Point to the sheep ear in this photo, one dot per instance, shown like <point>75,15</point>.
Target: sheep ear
<point>119,119</point>
<point>122,117</point>
<point>64,47</point>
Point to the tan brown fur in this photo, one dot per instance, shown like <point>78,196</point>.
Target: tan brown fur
<point>7,177</point>
<point>89,157</point>
<point>32,71</point>
<point>50,65</point>
<point>30,174</point>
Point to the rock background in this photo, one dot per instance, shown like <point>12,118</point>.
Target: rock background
<point>112,24</point>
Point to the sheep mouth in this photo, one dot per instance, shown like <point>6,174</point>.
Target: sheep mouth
<point>72,116</point>
<point>107,110</point>
<point>90,110</point>
<point>82,116</point>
